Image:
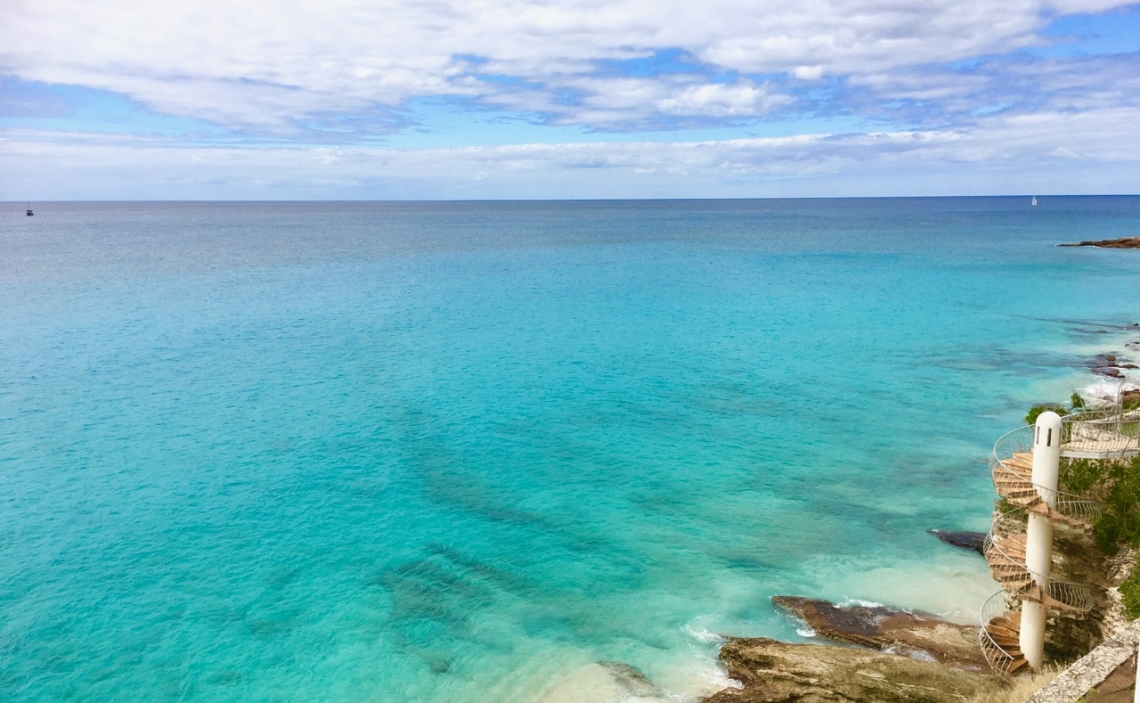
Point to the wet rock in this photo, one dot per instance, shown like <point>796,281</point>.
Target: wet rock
<point>776,672</point>
<point>966,540</point>
<point>1109,371</point>
<point>917,635</point>
<point>1102,361</point>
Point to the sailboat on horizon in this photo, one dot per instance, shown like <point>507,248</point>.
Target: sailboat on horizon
<point>30,213</point>
<point>1034,203</point>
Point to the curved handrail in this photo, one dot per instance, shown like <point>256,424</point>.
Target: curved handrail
<point>1071,595</point>
<point>1020,441</point>
<point>1108,433</point>
<point>1099,414</point>
<point>1001,660</point>
<point>993,551</point>
<point>1014,441</point>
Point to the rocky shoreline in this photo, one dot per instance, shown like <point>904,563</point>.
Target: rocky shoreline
<point>917,635</point>
<point>900,656</point>
<point>873,653</point>
<point>777,672</point>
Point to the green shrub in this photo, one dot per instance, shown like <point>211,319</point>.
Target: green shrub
<point>1130,593</point>
<point>1119,490</point>
<point>1038,409</point>
<point>1116,485</point>
<point>1080,475</point>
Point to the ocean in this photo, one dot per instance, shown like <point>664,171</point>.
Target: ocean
<point>508,452</point>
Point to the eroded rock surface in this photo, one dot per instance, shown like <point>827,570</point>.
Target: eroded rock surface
<point>777,672</point>
<point>917,635</point>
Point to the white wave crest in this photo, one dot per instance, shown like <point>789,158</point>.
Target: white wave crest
<point>701,634</point>
<point>864,603</point>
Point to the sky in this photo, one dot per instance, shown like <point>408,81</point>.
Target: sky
<point>501,99</point>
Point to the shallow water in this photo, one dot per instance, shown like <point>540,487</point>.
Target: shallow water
<point>464,451</point>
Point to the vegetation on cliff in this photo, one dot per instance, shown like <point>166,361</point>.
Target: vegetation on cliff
<point>1115,483</point>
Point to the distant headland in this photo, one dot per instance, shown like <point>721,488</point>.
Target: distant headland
<point>1123,243</point>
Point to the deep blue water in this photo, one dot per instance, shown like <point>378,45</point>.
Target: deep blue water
<point>462,451</point>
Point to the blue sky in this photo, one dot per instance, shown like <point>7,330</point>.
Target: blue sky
<point>268,99</point>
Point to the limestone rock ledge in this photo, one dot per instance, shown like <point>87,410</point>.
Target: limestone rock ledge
<point>915,634</point>
<point>777,672</point>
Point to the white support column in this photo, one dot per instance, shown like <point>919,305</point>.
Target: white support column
<point>1136,692</point>
<point>1039,536</point>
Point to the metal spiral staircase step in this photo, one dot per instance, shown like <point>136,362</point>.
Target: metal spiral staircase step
<point>1001,643</point>
<point>1033,593</point>
<point>1005,549</point>
<point>1011,466</point>
<point>1041,508</point>
<point>1023,458</point>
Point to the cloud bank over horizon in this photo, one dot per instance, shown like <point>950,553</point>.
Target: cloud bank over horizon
<point>505,98</point>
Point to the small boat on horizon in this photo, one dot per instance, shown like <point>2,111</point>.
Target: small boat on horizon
<point>30,213</point>
<point>1034,203</point>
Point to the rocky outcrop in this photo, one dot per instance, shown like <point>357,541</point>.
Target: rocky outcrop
<point>777,672</point>
<point>1122,243</point>
<point>974,541</point>
<point>1108,365</point>
<point>916,635</point>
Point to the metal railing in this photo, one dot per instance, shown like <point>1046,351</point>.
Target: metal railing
<point>1003,526</point>
<point>1000,659</point>
<point>1020,441</point>
<point>1071,595</point>
<point>1101,434</point>
<point>1074,595</point>
<point>1095,434</point>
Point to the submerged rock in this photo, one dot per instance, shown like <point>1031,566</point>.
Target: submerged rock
<point>966,540</point>
<point>777,672</point>
<point>1108,365</point>
<point>916,635</point>
<point>631,678</point>
<point>602,681</point>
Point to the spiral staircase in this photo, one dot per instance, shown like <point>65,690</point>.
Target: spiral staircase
<point>1111,435</point>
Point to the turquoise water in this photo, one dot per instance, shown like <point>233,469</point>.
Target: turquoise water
<point>463,451</point>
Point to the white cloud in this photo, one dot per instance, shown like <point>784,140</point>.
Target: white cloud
<point>1098,151</point>
<point>741,99</point>
<point>1030,86</point>
<point>266,64</point>
<point>616,102</point>
<point>808,73</point>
